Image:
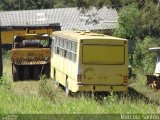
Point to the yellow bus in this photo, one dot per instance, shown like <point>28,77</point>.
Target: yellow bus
<point>85,61</point>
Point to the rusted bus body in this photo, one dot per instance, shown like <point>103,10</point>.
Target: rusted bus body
<point>84,61</point>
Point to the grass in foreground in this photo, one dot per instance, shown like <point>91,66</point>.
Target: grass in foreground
<point>139,85</point>
<point>34,97</point>
<point>12,103</point>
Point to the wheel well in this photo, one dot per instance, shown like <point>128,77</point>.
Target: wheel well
<point>66,77</point>
<point>54,72</point>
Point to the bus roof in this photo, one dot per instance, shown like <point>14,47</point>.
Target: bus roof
<point>78,35</point>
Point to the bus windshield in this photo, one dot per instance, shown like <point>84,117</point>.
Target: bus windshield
<point>103,54</point>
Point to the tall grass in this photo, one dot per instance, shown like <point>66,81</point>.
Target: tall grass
<point>7,68</point>
<point>49,100</point>
<point>14,104</point>
<point>45,90</point>
<point>140,85</point>
<point>6,54</point>
<point>4,83</point>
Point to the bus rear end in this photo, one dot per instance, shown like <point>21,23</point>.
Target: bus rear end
<point>103,65</point>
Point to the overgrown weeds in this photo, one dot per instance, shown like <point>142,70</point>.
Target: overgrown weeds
<point>45,90</point>
<point>6,54</point>
<point>4,83</point>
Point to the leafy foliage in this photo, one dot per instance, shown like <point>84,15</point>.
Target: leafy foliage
<point>137,17</point>
<point>4,83</point>
<point>128,23</point>
<point>34,4</point>
<point>142,57</point>
<point>140,20</point>
<point>150,15</point>
<point>45,90</point>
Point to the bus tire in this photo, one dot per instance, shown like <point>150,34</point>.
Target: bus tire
<point>67,89</point>
<point>56,83</point>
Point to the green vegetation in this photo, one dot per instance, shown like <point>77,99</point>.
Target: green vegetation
<point>139,84</point>
<point>138,20</point>
<point>34,4</point>
<point>128,26</point>
<point>11,103</point>
<point>40,97</point>
<point>46,90</point>
<point>143,59</point>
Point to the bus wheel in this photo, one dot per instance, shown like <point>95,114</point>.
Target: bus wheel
<point>67,89</point>
<point>56,83</point>
<point>15,69</point>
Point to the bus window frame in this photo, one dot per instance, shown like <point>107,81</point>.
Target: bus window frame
<point>64,51</point>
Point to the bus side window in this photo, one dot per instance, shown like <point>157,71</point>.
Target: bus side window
<point>74,57</point>
<point>58,42</point>
<point>75,50</point>
<point>54,50</point>
<point>61,52</point>
<point>55,41</point>
<point>62,43</point>
<point>65,44</point>
<point>65,53</point>
<point>70,56</point>
<point>74,47</point>
<point>69,45</point>
<point>57,51</point>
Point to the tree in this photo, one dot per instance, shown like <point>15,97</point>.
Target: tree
<point>63,3</point>
<point>150,16</point>
<point>143,59</point>
<point>34,4</point>
<point>128,22</point>
<point>9,4</point>
<point>37,4</point>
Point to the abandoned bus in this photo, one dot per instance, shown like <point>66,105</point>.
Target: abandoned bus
<point>85,61</point>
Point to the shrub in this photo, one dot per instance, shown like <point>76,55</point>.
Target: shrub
<point>143,59</point>
<point>45,90</point>
<point>128,26</point>
<point>7,54</point>
<point>4,83</point>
